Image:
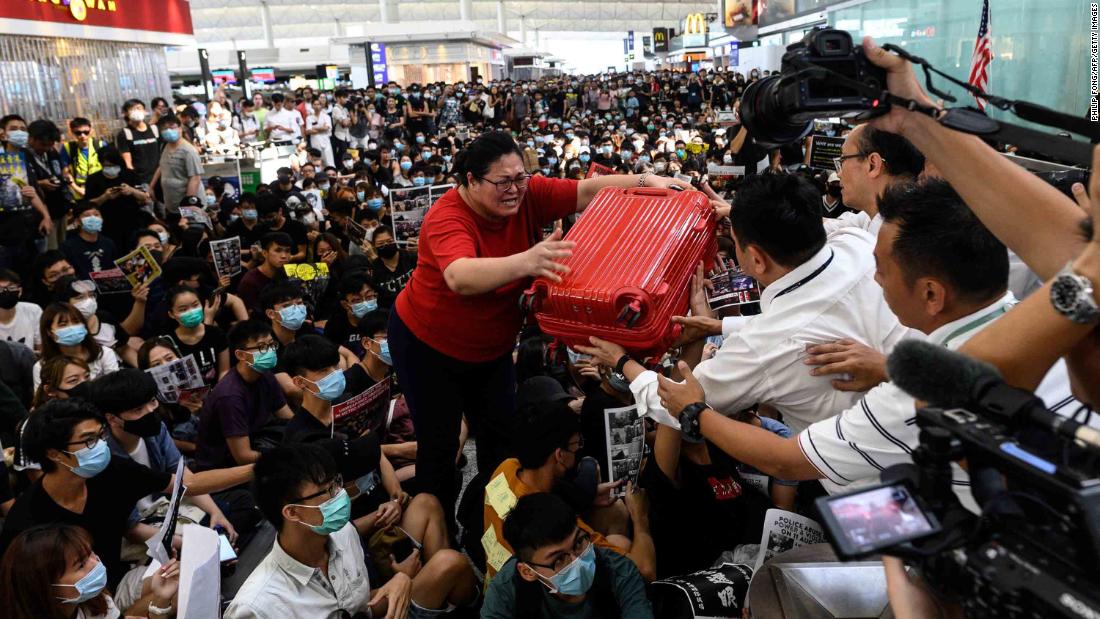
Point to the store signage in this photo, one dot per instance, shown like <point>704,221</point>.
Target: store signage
<point>735,53</point>
<point>660,40</point>
<point>145,21</point>
<point>378,61</point>
<point>695,30</point>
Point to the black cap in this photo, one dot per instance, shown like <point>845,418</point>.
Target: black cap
<point>539,390</point>
<point>191,201</point>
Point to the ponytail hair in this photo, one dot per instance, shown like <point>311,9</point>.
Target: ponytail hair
<point>480,154</point>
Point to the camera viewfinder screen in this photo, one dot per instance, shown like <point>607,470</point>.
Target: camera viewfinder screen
<point>880,517</point>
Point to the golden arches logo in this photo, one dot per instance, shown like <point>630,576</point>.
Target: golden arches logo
<point>79,8</point>
<point>695,23</point>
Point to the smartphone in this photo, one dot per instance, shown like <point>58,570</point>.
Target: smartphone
<point>402,548</point>
<point>225,549</point>
<point>873,519</point>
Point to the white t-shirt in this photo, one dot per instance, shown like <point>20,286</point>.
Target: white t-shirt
<point>141,455</point>
<point>23,327</point>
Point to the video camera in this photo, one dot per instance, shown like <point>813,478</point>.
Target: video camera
<point>827,75</point>
<point>782,108</point>
<point>1034,549</point>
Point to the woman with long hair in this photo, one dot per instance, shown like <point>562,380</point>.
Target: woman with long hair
<point>65,332</point>
<point>60,376</point>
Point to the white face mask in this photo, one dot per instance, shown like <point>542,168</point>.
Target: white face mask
<point>87,307</point>
<point>137,115</point>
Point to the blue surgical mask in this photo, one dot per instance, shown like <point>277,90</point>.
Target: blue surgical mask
<point>250,214</point>
<point>18,138</point>
<point>91,224</point>
<point>91,461</point>
<point>552,160</point>
<point>89,586</point>
<point>192,317</point>
<point>585,157</point>
<point>335,511</point>
<point>261,362</point>
<point>361,195</point>
<point>112,171</point>
<point>425,155</point>
<point>233,217</point>
<point>374,204</point>
<point>211,200</point>
<point>364,307</point>
<point>384,351</point>
<point>170,135</point>
<point>643,158</point>
<point>546,171</point>
<point>293,316</point>
<point>331,386</point>
<point>406,165</point>
<point>419,139</point>
<point>420,181</point>
<point>71,335</point>
<point>618,382</point>
<point>575,578</point>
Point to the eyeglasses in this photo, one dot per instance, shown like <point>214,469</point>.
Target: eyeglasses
<point>91,442</point>
<point>86,132</point>
<point>580,545</point>
<point>580,445</point>
<point>263,347</point>
<point>10,289</point>
<point>331,488</point>
<point>838,162</point>
<point>502,186</point>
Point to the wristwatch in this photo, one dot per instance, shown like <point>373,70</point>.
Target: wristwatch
<point>689,422</point>
<point>641,179</point>
<point>1072,295</point>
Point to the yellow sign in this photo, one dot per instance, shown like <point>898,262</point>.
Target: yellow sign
<point>500,496</point>
<point>79,8</point>
<point>695,23</point>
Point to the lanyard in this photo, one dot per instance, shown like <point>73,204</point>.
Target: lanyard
<point>974,324</point>
<point>806,280</point>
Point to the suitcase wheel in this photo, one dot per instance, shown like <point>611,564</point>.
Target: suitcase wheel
<point>631,314</point>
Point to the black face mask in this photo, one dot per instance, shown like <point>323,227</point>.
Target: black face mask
<point>157,255</point>
<point>834,191</point>
<point>147,426</point>
<point>387,251</point>
<point>8,300</point>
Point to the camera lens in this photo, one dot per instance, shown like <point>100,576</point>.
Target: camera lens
<point>764,117</point>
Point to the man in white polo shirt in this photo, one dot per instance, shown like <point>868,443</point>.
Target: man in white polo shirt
<point>943,273</point>
<point>870,161</point>
<point>817,290</point>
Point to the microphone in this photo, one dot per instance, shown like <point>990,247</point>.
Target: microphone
<point>945,378</point>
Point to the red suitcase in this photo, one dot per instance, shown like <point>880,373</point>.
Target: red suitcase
<point>630,272</point>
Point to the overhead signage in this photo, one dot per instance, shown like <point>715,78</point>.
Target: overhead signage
<point>378,60</point>
<point>660,40</point>
<point>142,21</point>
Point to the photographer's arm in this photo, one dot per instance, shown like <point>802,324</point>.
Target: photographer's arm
<point>1029,216</point>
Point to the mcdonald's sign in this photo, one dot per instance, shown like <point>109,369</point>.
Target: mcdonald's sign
<point>695,23</point>
<point>660,40</point>
<point>695,30</point>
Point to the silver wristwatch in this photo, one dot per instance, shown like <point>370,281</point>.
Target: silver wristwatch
<point>1072,295</point>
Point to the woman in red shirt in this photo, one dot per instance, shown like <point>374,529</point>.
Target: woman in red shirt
<point>454,326</point>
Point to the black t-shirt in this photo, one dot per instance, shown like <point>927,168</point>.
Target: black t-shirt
<point>86,257</point>
<point>144,149</point>
<point>248,235</point>
<point>121,216</point>
<point>389,283</point>
<point>16,214</point>
<point>711,498</point>
<point>304,427</point>
<point>296,231</point>
<point>111,497</point>
<point>206,352</point>
<point>340,332</point>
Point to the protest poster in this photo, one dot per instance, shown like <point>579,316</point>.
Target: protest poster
<point>625,434</point>
<point>356,233</point>
<point>596,170</point>
<point>227,256</point>
<point>176,376</point>
<point>783,531</point>
<point>724,172</point>
<point>732,288</point>
<point>316,201</point>
<point>313,277</point>
<point>160,545</point>
<point>364,412</point>
<point>719,591</point>
<point>726,118</point>
<point>139,267</point>
<point>195,215</point>
<point>200,587</point>
<point>110,281</point>
<point>697,149</point>
<point>13,178</point>
<point>822,151</point>
<point>408,206</point>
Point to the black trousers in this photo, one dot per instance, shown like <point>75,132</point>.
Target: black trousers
<point>439,389</point>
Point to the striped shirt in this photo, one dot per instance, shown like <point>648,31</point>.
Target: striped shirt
<point>880,430</point>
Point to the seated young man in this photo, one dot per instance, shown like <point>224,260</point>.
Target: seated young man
<point>316,568</point>
<point>357,299</point>
<point>547,439</point>
<point>558,571</point>
<point>84,485</point>
<point>246,400</point>
<point>283,305</point>
<point>275,249</point>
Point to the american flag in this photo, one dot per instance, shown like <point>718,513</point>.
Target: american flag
<point>983,56</point>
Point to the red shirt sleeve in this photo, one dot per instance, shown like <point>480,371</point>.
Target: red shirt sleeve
<point>553,198</point>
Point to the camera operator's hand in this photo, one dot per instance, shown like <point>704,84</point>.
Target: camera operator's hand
<point>900,81</point>
<point>863,366</point>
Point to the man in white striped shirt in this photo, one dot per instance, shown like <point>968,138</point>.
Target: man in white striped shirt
<point>943,273</point>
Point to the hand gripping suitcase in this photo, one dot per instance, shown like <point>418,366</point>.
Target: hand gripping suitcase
<point>630,272</point>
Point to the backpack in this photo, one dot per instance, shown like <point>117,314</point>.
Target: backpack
<point>130,134</point>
